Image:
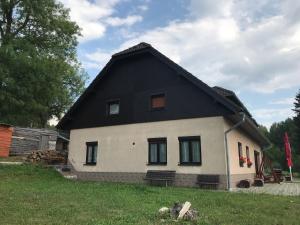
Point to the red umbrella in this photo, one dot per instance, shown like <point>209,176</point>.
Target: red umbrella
<point>288,152</point>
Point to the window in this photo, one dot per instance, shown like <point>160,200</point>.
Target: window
<point>157,150</point>
<point>190,150</point>
<point>247,153</point>
<point>158,101</point>
<point>240,151</point>
<point>113,107</point>
<point>249,163</point>
<point>91,153</point>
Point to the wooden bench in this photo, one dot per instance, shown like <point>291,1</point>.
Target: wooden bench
<point>208,181</point>
<point>160,175</point>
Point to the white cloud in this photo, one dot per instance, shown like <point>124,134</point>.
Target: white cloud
<point>245,45</point>
<point>93,17</point>
<point>128,21</point>
<point>210,8</point>
<point>283,101</point>
<point>267,116</point>
<point>98,59</point>
<point>143,7</point>
<point>90,65</point>
<point>53,121</point>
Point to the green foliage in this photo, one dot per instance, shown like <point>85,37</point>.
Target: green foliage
<point>36,195</point>
<point>276,134</point>
<point>297,118</point>
<point>40,76</point>
<point>277,152</point>
<point>277,131</point>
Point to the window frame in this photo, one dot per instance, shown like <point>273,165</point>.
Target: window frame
<point>111,102</point>
<point>91,144</point>
<point>240,153</point>
<point>190,139</point>
<point>247,152</point>
<point>157,95</point>
<point>157,141</point>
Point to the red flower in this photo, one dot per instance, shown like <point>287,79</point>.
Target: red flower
<point>249,163</point>
<point>242,159</point>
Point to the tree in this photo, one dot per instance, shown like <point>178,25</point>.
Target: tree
<point>277,131</point>
<point>40,76</point>
<point>297,119</point>
<point>277,151</point>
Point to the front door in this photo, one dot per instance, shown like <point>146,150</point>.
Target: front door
<point>256,161</point>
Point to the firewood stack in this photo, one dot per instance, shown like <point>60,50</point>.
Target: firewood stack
<point>180,211</point>
<point>46,156</point>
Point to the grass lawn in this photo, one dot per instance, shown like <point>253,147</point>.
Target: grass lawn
<point>36,195</point>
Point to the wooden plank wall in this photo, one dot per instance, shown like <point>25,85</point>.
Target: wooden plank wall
<point>25,140</point>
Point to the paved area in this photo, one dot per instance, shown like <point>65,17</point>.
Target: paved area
<point>285,188</point>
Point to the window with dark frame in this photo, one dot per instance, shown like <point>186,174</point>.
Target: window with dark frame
<point>158,101</point>
<point>190,150</point>
<point>113,107</point>
<point>91,153</point>
<point>157,151</point>
<point>240,151</point>
<point>247,152</point>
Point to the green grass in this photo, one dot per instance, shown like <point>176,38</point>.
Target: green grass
<point>36,195</point>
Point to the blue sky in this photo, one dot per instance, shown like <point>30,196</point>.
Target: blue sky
<point>251,47</point>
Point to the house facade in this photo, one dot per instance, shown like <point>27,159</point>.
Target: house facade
<point>144,112</point>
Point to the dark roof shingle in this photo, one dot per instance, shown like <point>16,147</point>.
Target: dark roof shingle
<point>134,48</point>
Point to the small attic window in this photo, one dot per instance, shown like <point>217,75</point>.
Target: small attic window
<point>158,101</point>
<point>113,107</point>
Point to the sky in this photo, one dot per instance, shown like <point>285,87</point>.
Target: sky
<point>249,46</point>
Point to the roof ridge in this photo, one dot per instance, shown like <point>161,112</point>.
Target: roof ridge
<point>134,48</point>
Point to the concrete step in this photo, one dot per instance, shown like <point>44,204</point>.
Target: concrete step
<point>65,171</point>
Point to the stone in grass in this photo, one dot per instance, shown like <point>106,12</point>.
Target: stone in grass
<point>164,210</point>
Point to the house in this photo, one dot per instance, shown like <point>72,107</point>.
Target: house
<point>144,112</point>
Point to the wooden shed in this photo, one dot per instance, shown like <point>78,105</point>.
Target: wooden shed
<point>26,140</point>
<point>5,139</point>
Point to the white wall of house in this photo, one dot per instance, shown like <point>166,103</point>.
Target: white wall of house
<point>116,152</point>
<point>234,137</point>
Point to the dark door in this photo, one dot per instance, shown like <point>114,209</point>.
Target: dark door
<point>256,161</point>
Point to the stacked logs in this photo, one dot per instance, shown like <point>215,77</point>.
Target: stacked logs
<point>46,156</point>
<point>180,211</point>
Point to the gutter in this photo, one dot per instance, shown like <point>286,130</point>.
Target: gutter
<point>226,148</point>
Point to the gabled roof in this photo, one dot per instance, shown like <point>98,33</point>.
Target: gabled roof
<point>133,49</point>
<point>232,97</point>
<point>141,48</point>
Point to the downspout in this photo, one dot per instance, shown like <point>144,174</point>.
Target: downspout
<point>226,148</point>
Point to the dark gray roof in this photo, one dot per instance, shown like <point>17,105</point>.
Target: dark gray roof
<point>232,97</point>
<point>223,91</point>
<point>134,48</point>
